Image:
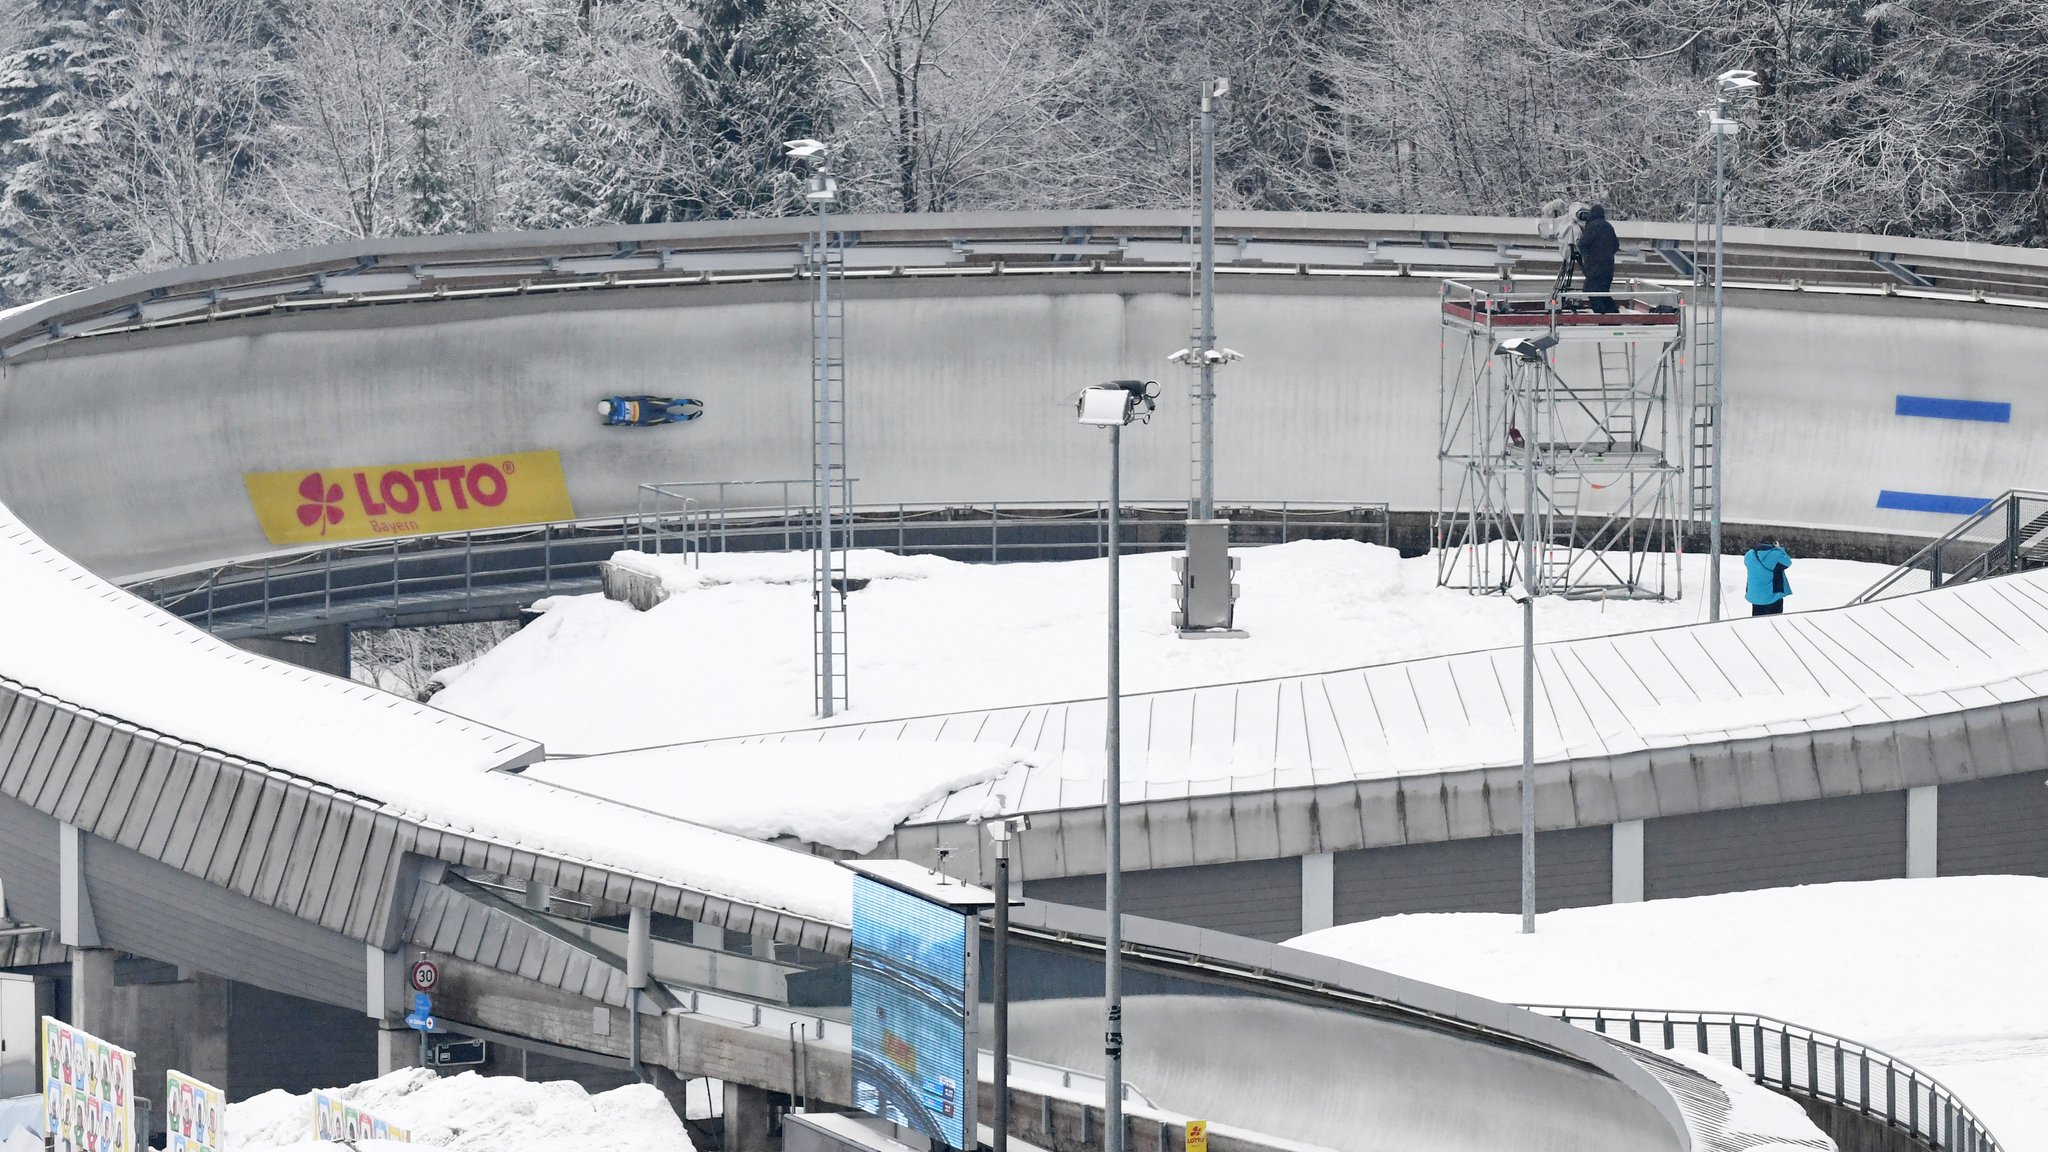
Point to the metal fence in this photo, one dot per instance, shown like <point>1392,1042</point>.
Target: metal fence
<point>1801,1061</point>
<point>2008,534</point>
<point>473,575</point>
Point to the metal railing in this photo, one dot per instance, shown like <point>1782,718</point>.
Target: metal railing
<point>1798,1061</point>
<point>470,575</point>
<point>2008,534</point>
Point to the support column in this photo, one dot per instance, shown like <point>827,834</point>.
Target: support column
<point>746,1119</point>
<point>396,1048</point>
<point>1318,891</point>
<point>1628,862</point>
<point>1922,832</point>
<point>92,991</point>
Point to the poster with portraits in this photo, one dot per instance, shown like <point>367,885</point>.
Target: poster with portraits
<point>88,1091</point>
<point>337,1119</point>
<point>193,1111</point>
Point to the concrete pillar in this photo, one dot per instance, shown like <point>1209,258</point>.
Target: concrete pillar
<point>206,1043</point>
<point>1923,850</point>
<point>1628,862</point>
<point>536,896</point>
<point>746,1119</point>
<point>75,923</point>
<point>92,992</point>
<point>1318,891</point>
<point>396,1048</point>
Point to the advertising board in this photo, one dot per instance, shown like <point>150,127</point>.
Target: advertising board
<point>193,1112</point>
<point>911,1010</point>
<point>317,505</point>
<point>88,1091</point>
<point>339,1121</point>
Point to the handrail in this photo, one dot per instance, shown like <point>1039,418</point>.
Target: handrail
<point>1984,554</point>
<point>489,569</point>
<point>1795,1060</point>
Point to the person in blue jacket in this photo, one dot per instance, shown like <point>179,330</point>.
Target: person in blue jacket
<point>1768,586</point>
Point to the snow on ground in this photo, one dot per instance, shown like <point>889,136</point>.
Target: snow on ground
<point>1761,1120</point>
<point>852,799</point>
<point>472,1113</point>
<point>730,652</point>
<point>1946,973</point>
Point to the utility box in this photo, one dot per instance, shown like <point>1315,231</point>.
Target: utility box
<point>1207,597</point>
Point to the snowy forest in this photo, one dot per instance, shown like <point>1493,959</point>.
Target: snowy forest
<point>137,134</point>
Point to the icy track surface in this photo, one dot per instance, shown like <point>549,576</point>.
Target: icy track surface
<point>1946,973</point>
<point>730,652</point>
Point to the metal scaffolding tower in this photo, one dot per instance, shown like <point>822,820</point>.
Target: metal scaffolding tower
<point>1596,407</point>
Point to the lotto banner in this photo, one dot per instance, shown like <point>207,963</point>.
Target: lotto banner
<point>315,505</point>
<point>193,1111</point>
<point>88,1091</point>
<point>337,1120</point>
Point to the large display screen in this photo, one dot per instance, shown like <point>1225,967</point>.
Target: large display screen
<point>910,1012</point>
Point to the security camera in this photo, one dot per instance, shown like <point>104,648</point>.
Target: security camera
<point>1526,347</point>
<point>1183,356</point>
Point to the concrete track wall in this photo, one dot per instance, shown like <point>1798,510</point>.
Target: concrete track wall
<point>1336,1080</point>
<point>128,451</point>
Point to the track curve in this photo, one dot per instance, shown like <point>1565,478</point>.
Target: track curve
<point>127,443</point>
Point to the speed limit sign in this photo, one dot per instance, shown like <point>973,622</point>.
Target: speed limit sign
<point>425,976</point>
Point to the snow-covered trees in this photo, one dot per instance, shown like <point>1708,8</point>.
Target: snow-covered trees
<point>140,133</point>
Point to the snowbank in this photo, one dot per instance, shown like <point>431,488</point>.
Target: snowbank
<point>472,1113</point>
<point>1944,973</point>
<point>844,795</point>
<point>730,652</point>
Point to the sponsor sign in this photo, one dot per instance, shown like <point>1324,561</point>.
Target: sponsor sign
<point>910,1013</point>
<point>193,1111</point>
<point>88,1091</point>
<point>337,1120</point>
<point>1198,1136</point>
<point>313,505</point>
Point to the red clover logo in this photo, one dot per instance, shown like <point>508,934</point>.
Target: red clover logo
<point>323,502</point>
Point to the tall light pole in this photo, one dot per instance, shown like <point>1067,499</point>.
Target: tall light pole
<point>1207,605</point>
<point>1728,87</point>
<point>1526,359</point>
<point>828,413</point>
<point>1114,405</point>
<point>1001,831</point>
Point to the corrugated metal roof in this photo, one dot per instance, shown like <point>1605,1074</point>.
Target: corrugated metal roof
<point>1942,653</point>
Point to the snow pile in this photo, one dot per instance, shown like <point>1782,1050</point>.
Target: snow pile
<point>729,653</point>
<point>473,1113</point>
<point>1967,1004</point>
<point>853,794</point>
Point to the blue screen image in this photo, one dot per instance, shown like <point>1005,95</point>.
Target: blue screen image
<point>910,1012</point>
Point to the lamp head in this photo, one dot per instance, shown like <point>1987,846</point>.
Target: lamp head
<point>1738,82</point>
<point>1117,403</point>
<point>804,149</point>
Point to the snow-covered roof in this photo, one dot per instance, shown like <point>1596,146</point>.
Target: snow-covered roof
<point>71,636</point>
<point>1943,652</point>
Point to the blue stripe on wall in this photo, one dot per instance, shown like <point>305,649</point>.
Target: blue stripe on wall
<point>1930,502</point>
<point>1942,408</point>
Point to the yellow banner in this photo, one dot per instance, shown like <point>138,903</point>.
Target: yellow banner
<point>310,506</point>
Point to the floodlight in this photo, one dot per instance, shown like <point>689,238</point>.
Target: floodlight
<point>1105,406</point>
<point>822,189</point>
<point>804,149</point>
<point>1218,88</point>
<point>1738,82</point>
<point>1718,124</point>
<point>1526,347</point>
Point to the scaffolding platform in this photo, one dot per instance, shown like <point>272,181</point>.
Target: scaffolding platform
<point>1586,427</point>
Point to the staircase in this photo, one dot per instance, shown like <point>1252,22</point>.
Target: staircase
<point>2009,534</point>
<point>832,492</point>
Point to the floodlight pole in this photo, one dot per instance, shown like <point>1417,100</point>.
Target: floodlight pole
<point>1001,1141</point>
<point>1529,655</point>
<point>1720,348</point>
<point>1205,507</point>
<point>1113,885</point>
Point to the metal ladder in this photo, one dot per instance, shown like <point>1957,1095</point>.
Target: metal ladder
<point>1706,352</point>
<point>833,494</point>
<point>1617,395</point>
<point>1560,546</point>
